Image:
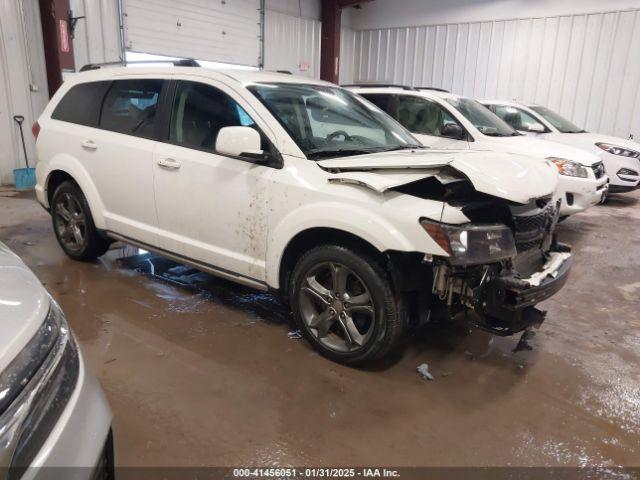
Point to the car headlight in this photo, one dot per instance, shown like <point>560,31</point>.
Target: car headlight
<point>615,150</point>
<point>23,367</point>
<point>34,390</point>
<point>569,167</point>
<point>472,244</point>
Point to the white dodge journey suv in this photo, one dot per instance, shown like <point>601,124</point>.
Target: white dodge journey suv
<point>304,188</point>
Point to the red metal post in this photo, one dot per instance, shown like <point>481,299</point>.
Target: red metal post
<point>330,43</point>
<point>56,36</point>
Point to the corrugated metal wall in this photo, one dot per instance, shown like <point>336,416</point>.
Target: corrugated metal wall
<point>226,31</point>
<point>292,41</point>
<point>23,81</point>
<point>587,67</point>
<point>97,37</point>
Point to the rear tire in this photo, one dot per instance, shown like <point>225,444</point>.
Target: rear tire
<point>73,224</point>
<point>345,306</point>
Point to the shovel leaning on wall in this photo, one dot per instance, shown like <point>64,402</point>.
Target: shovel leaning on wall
<point>24,178</point>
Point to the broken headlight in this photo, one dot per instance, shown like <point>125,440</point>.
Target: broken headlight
<point>615,150</point>
<point>569,167</point>
<point>472,244</point>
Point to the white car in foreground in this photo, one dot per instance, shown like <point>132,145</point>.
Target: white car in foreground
<point>53,412</point>
<point>300,187</point>
<point>442,120</point>
<point>621,157</point>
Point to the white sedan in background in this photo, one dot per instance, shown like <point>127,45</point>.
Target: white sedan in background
<point>621,157</point>
<point>440,119</point>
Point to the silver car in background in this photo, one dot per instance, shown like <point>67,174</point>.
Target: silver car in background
<point>53,412</point>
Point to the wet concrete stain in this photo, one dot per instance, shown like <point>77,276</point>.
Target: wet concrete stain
<point>200,371</point>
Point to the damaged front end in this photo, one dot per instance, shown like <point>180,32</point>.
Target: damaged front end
<point>496,225</point>
<point>501,264</point>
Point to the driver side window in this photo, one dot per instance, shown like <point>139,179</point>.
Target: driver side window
<point>516,118</point>
<point>200,111</point>
<point>422,116</point>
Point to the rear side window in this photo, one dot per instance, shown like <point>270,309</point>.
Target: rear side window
<point>81,104</point>
<point>130,107</point>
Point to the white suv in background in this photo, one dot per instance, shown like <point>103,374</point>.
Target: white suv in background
<point>442,120</point>
<point>300,187</point>
<point>621,157</point>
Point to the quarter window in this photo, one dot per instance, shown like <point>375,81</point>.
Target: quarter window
<point>130,107</point>
<point>81,104</point>
<point>200,112</point>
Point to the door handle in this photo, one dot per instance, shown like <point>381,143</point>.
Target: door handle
<point>89,145</point>
<point>169,164</point>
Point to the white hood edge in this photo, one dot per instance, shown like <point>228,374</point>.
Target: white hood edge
<point>515,178</point>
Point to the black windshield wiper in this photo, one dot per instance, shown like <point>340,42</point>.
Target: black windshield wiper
<point>316,154</point>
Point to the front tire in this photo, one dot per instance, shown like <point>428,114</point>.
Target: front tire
<point>344,305</point>
<point>73,224</point>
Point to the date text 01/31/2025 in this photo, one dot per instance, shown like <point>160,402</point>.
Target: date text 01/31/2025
<point>315,473</point>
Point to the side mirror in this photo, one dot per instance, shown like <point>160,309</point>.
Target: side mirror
<point>535,128</point>
<point>239,141</point>
<point>452,130</point>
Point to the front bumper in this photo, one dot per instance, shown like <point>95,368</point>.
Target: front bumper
<point>508,306</point>
<point>78,441</point>
<point>578,194</point>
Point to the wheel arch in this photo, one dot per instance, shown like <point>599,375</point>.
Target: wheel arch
<point>61,171</point>
<point>313,237</point>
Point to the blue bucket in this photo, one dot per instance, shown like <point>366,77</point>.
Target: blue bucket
<point>24,178</point>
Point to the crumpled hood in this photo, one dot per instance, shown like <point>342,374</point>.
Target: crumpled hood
<point>542,148</point>
<point>24,304</point>
<point>517,178</point>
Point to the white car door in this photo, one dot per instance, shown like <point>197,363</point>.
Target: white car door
<point>211,208</point>
<point>118,156</point>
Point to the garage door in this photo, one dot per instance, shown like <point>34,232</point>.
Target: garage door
<point>217,30</point>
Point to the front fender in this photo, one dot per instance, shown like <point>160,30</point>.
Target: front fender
<point>71,166</point>
<point>364,223</point>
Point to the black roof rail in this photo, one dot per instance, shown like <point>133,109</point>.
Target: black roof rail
<point>435,89</point>
<point>286,72</point>
<point>183,62</point>
<point>380,85</point>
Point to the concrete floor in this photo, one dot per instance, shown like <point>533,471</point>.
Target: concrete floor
<point>202,372</point>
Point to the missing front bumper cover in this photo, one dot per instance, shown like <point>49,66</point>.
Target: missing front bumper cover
<point>504,301</point>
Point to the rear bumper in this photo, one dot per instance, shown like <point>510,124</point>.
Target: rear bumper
<point>41,196</point>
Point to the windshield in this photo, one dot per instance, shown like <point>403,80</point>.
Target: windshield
<point>562,124</point>
<point>482,118</point>
<point>330,122</point>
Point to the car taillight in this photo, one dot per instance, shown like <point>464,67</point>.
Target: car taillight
<point>35,129</point>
